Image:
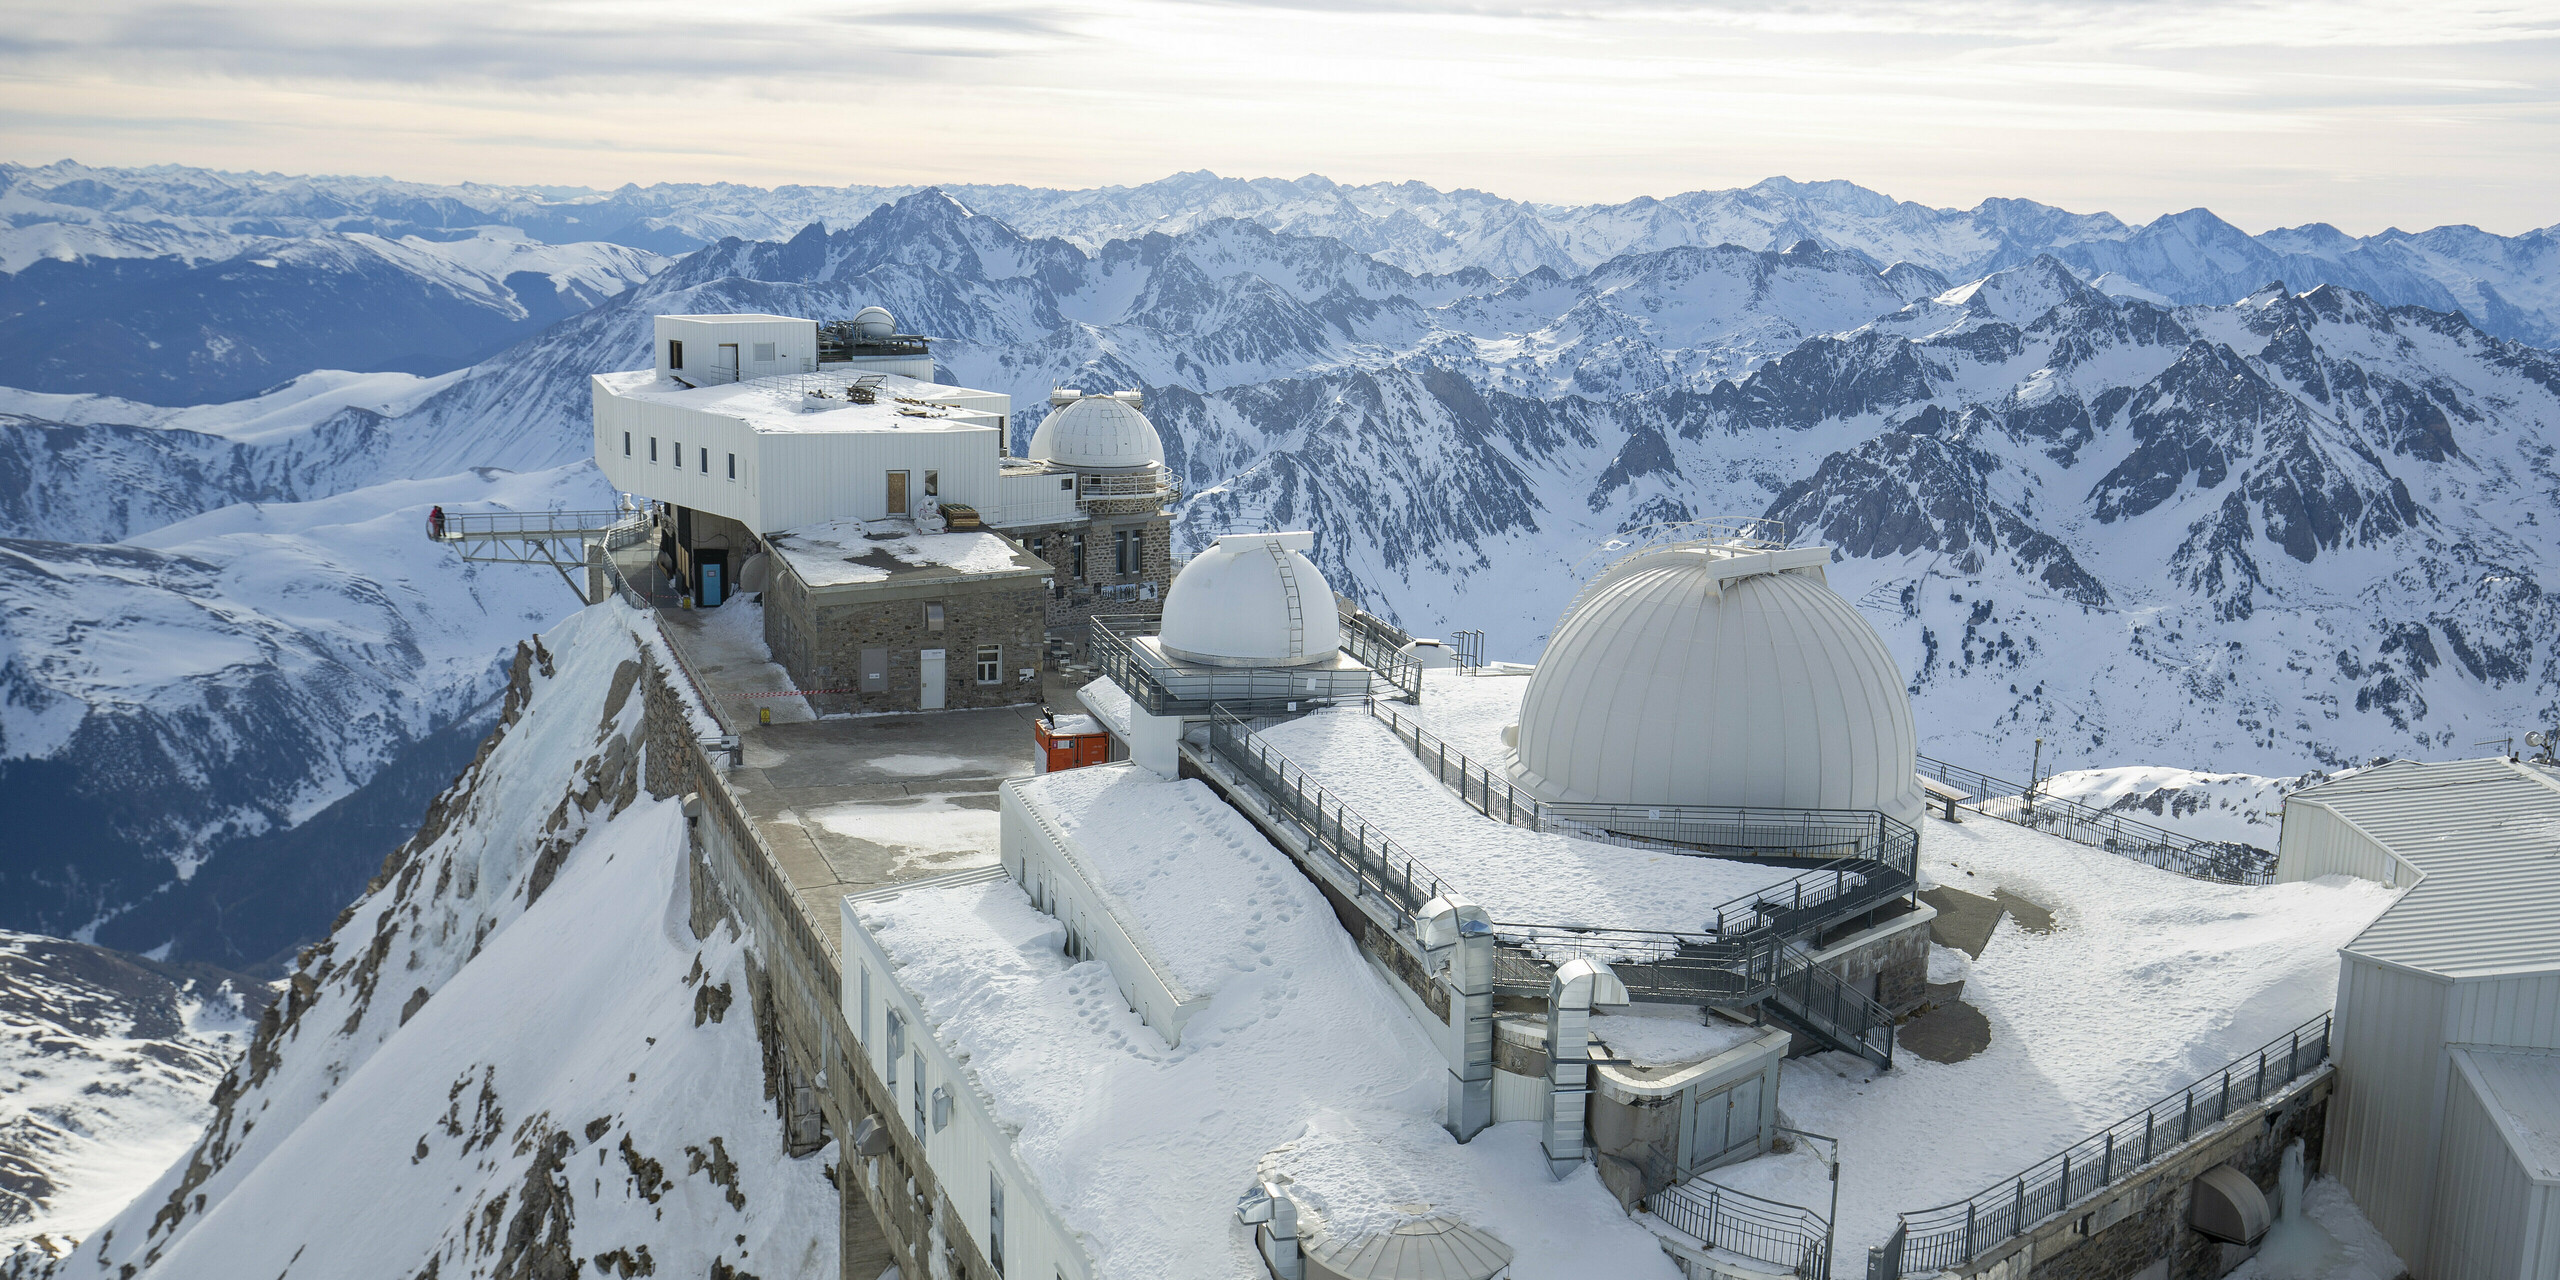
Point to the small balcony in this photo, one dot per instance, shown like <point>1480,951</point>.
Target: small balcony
<point>1152,484</point>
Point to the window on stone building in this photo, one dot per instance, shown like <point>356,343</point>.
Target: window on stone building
<point>933,615</point>
<point>1124,552</point>
<point>990,664</point>
<point>1075,552</point>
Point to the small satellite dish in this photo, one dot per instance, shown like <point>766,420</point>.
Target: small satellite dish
<point>2534,739</point>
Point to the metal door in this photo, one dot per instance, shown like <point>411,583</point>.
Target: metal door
<point>929,698</point>
<point>726,360</point>
<point>875,671</point>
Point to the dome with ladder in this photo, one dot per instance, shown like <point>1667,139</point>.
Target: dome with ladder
<point>1251,600</point>
<point>1097,433</point>
<point>1715,674</point>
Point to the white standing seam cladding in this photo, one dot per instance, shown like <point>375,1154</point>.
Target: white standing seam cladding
<point>2466,961</point>
<point>960,1153</point>
<point>1677,682</point>
<point>2498,1203</point>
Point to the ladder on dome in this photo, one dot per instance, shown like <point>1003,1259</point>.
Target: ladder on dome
<point>1289,590</point>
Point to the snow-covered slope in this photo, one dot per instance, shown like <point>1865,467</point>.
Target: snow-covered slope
<point>513,1056</point>
<point>173,700</point>
<point>106,1064</point>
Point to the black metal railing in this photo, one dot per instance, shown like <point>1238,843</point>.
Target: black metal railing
<point>1197,691</point>
<point>1380,866</point>
<point>1379,645</point>
<point>1720,1217</point>
<point>1952,1235</point>
<point>2218,860</point>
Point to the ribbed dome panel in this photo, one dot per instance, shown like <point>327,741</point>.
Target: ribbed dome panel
<point>1230,607</point>
<point>1098,433</point>
<point>1666,687</point>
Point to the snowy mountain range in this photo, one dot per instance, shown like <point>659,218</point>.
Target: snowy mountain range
<point>2086,492</point>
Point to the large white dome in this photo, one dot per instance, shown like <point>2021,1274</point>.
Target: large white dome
<point>1704,675</point>
<point>1251,600</point>
<point>1098,433</point>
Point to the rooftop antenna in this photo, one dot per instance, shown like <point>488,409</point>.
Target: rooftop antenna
<point>2543,744</point>
<point>2506,746</point>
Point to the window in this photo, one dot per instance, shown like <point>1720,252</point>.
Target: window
<point>675,354</point>
<point>862,1016</point>
<point>764,352</point>
<point>933,484</point>
<point>933,615</point>
<point>990,664</point>
<point>1124,551</point>
<point>653,448</point>
<point>733,466</point>
<point>1075,552</point>
<point>1067,484</point>
<point>679,448</point>
<point>626,444</point>
<point>897,1049</point>
<point>995,1222</point>
<point>705,455</point>
<point>919,1093</point>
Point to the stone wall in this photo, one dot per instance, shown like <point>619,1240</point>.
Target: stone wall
<point>892,1204</point>
<point>2139,1229</point>
<point>1073,600</point>
<point>822,647</point>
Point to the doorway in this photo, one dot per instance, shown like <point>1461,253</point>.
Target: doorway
<point>727,360</point>
<point>897,493</point>
<point>929,698</point>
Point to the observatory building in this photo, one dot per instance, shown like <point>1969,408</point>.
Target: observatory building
<point>906,558</point>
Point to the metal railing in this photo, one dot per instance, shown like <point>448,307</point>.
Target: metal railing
<point>1952,1235</point>
<point>462,526</point>
<point>1197,691</point>
<point>1379,645</point>
<point>2218,860</point>
<point>1381,866</point>
<point>1152,483</point>
<point>1720,1217</point>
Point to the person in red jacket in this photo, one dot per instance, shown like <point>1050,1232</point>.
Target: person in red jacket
<point>435,522</point>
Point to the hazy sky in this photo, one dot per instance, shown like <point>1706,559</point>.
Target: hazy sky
<point>2364,113</point>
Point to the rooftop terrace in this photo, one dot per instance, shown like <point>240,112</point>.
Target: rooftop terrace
<point>778,404</point>
<point>843,553</point>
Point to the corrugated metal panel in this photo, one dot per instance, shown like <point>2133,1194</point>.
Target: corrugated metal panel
<point>2317,842</point>
<point>2519,1011</point>
<point>2501,1165</point>
<point>2385,1120</point>
<point>2486,836</point>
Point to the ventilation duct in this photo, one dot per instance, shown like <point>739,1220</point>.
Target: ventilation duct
<point>2229,1207</point>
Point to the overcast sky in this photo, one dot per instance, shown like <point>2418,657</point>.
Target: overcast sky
<point>2361,113</point>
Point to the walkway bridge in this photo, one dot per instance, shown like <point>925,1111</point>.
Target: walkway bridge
<point>556,539</point>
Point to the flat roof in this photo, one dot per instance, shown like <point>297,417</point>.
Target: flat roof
<point>1303,1057</point>
<point>743,317</point>
<point>2485,838</point>
<point>844,553</point>
<point>2520,1088</point>
<point>774,405</point>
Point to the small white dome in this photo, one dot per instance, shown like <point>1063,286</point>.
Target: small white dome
<point>1098,433</point>
<point>874,322</point>
<point>1699,675</point>
<point>1251,600</point>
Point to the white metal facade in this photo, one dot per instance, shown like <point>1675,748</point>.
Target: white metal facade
<point>1043,860</point>
<point>2468,960</point>
<point>969,1149</point>
<point>762,345</point>
<point>2498,1204</point>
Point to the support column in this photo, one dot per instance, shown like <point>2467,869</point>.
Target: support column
<point>1579,984</point>
<point>1454,927</point>
<point>597,580</point>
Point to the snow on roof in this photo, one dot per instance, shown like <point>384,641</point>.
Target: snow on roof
<point>1142,842</point>
<point>1109,704</point>
<point>774,405</point>
<point>2486,836</point>
<point>1517,875</point>
<point>1667,1035</point>
<point>2520,1089</point>
<point>840,553</point>
<point>2148,982</point>
<point>1141,1149</point>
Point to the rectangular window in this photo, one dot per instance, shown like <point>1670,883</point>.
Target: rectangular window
<point>1066,484</point>
<point>764,352</point>
<point>626,444</point>
<point>1075,552</point>
<point>933,484</point>
<point>653,448</point>
<point>995,1222</point>
<point>862,1016</point>
<point>733,466</point>
<point>918,1086</point>
<point>897,1049</point>
<point>679,448</point>
<point>933,616</point>
<point>991,664</point>
<point>705,455</point>
<point>675,354</point>
<point>1124,552</point>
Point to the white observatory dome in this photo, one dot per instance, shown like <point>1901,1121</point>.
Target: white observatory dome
<point>874,322</point>
<point>1700,675</point>
<point>1251,600</point>
<point>1098,433</point>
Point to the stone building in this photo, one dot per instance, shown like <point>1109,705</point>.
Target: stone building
<point>874,617</point>
<point>1113,553</point>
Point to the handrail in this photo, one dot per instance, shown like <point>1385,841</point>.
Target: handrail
<point>1247,690</point>
<point>1951,1235</point>
<point>458,525</point>
<point>2217,860</point>
<point>1771,1231</point>
<point>1845,836</point>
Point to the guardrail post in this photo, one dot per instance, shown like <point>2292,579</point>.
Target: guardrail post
<point>2062,1194</point>
<point>2107,1163</point>
<point>2146,1137</point>
<point>2018,1216</point>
